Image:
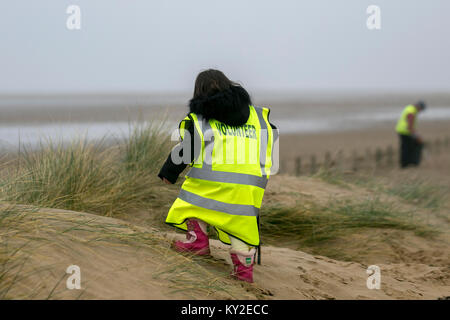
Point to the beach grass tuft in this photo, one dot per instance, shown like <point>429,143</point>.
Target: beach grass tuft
<point>315,225</point>
<point>102,176</point>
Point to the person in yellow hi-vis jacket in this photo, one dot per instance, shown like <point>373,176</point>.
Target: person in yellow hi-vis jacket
<point>229,145</point>
<point>410,142</point>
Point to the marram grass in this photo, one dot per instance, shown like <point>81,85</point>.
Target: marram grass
<point>103,176</point>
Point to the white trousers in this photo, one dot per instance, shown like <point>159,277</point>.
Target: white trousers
<point>236,244</point>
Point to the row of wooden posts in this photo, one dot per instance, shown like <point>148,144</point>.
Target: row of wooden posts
<point>379,158</point>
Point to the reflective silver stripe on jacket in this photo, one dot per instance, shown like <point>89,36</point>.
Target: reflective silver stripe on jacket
<point>233,209</point>
<point>264,140</point>
<point>206,172</point>
<point>228,177</point>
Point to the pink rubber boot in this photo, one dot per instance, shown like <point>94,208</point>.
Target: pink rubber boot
<point>243,264</point>
<point>197,241</point>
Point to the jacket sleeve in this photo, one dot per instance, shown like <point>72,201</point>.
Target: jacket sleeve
<point>170,170</point>
<point>410,119</point>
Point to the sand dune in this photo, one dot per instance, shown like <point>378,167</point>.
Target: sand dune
<point>119,271</point>
<point>291,274</point>
<point>121,260</point>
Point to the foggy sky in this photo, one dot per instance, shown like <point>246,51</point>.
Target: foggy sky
<point>143,45</point>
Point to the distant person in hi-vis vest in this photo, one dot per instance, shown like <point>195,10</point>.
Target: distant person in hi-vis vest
<point>411,143</point>
<point>228,144</point>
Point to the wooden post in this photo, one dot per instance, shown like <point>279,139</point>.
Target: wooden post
<point>283,166</point>
<point>327,161</point>
<point>437,145</point>
<point>298,166</point>
<point>378,157</point>
<point>355,161</point>
<point>389,156</point>
<point>430,146</point>
<point>368,157</point>
<point>339,160</point>
<point>313,164</point>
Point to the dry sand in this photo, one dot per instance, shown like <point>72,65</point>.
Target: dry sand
<point>123,260</point>
<point>118,271</point>
<point>290,274</point>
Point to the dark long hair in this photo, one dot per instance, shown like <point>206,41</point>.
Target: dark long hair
<point>217,97</point>
<point>210,82</point>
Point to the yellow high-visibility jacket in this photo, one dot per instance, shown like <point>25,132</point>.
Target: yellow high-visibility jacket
<point>225,184</point>
<point>402,123</point>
